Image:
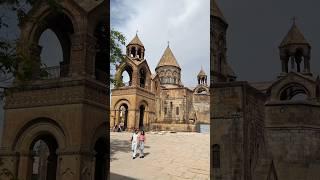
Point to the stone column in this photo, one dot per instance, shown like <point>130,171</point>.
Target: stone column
<point>77,55</point>
<point>90,56</point>
<point>25,166</point>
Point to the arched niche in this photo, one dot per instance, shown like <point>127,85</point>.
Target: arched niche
<point>124,75</point>
<point>61,28</point>
<point>294,91</point>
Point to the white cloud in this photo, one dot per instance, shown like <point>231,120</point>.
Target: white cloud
<point>185,23</point>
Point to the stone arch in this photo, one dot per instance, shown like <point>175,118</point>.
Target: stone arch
<point>63,25</point>
<point>291,90</point>
<point>144,76</point>
<point>51,135</point>
<point>143,113</point>
<point>116,109</point>
<point>43,13</point>
<point>36,127</point>
<point>122,101</point>
<point>201,90</point>
<point>129,69</point>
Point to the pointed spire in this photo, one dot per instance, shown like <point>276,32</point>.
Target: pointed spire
<point>294,36</point>
<point>202,73</point>
<point>168,59</point>
<point>215,11</point>
<point>136,40</point>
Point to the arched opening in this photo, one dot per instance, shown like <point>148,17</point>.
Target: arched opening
<point>298,58</point>
<point>139,53</point>
<point>101,148</point>
<point>123,116</point>
<point>101,64</point>
<point>142,75</point>
<point>54,39</point>
<point>133,52</point>
<point>294,92</point>
<point>126,76</point>
<point>141,119</point>
<point>201,91</point>
<point>44,158</point>
<point>51,50</point>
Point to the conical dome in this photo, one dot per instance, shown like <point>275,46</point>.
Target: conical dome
<point>168,59</point>
<point>202,73</point>
<point>294,36</point>
<point>216,12</point>
<point>136,41</point>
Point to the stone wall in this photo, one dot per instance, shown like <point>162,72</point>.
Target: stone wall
<point>173,127</point>
<point>237,113</point>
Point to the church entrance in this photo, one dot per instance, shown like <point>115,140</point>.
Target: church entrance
<point>142,109</point>
<point>44,158</point>
<point>123,116</point>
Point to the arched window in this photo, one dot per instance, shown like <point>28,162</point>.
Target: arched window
<point>133,52</point>
<point>45,158</point>
<point>216,156</point>
<point>126,76</point>
<point>294,91</point>
<point>142,75</point>
<point>139,55</point>
<point>54,40</point>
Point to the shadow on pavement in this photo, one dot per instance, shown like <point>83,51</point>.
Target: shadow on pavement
<point>146,154</point>
<point>114,176</point>
<point>119,146</point>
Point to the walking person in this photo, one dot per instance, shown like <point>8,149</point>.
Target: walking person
<point>134,143</point>
<point>142,139</point>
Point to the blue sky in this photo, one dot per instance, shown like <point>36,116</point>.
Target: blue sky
<point>185,23</point>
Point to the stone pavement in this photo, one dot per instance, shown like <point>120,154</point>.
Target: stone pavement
<point>167,156</point>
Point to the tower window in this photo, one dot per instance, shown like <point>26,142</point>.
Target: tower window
<point>177,110</point>
<point>165,110</point>
<point>171,105</point>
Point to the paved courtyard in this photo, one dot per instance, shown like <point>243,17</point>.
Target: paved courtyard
<point>167,156</point>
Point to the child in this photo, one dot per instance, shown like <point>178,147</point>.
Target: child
<point>134,143</point>
<point>142,139</point>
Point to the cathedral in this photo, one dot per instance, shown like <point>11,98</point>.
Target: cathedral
<point>157,101</point>
<point>266,130</point>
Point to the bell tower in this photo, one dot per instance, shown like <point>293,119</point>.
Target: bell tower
<point>220,69</point>
<point>295,52</point>
<point>65,111</point>
<point>135,49</point>
<point>202,77</point>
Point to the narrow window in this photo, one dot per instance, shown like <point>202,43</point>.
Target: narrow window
<point>165,110</point>
<point>177,110</point>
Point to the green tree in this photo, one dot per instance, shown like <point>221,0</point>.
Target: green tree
<point>117,40</point>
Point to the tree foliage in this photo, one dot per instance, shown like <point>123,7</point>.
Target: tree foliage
<point>117,40</point>
<point>9,59</point>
